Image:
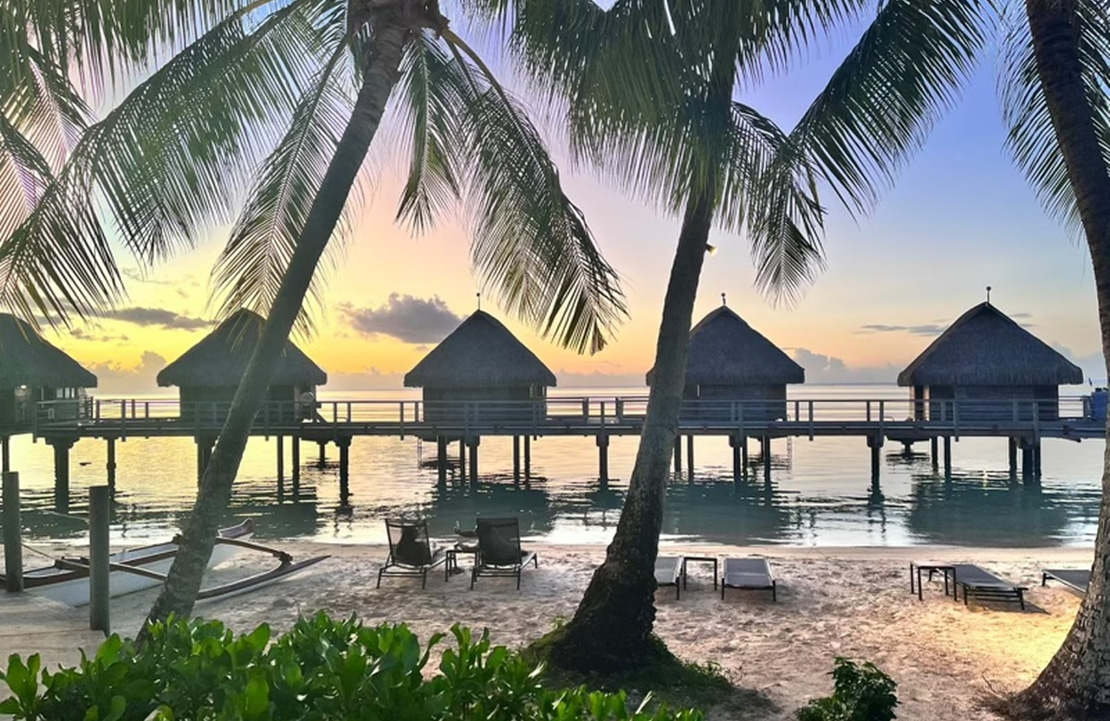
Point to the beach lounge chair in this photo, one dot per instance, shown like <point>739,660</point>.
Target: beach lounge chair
<point>410,552</point>
<point>752,574</point>
<point>499,551</point>
<point>981,583</point>
<point>668,572</point>
<point>1074,578</point>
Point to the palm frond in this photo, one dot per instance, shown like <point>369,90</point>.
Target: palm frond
<point>24,175</point>
<point>250,269</point>
<point>884,98</point>
<point>429,90</point>
<point>1031,138</point>
<point>531,244</point>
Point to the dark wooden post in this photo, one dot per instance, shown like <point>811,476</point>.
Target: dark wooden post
<point>344,443</point>
<point>527,457</point>
<point>516,458</point>
<point>5,454</point>
<point>933,455</point>
<point>110,466</point>
<point>295,461</point>
<point>690,458</point>
<point>1012,456</point>
<point>441,459</point>
<point>100,592</point>
<point>280,459</point>
<point>875,443</point>
<point>61,447</point>
<point>734,443</point>
<point>13,543</point>
<point>678,455</point>
<point>948,456</point>
<point>462,459</point>
<point>603,458</point>
<point>1037,458</point>
<point>765,449</point>
<point>323,454</point>
<point>744,455</point>
<point>474,442</point>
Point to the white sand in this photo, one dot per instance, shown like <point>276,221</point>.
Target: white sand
<point>832,601</point>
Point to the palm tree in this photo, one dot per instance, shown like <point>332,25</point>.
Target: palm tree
<point>284,97</point>
<point>903,74</point>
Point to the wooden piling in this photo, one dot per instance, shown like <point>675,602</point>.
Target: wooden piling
<point>462,459</point>
<point>765,449</point>
<point>441,460</point>
<point>280,459</point>
<point>690,458</point>
<point>603,457</point>
<point>875,443</point>
<point>5,454</point>
<point>734,443</point>
<point>1012,456</point>
<point>474,442</point>
<point>13,542</point>
<point>516,458</point>
<point>110,466</point>
<point>344,444</point>
<point>948,456</point>
<point>295,461</point>
<point>100,511</point>
<point>678,455</point>
<point>61,448</point>
<point>527,457</point>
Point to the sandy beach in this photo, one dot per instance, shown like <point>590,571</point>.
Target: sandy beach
<point>851,602</point>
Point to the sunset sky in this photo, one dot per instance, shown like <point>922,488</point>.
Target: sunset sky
<point>960,218</point>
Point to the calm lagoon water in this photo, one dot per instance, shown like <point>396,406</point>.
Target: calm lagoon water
<point>820,493</point>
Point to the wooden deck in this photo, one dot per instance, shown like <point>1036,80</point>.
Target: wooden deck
<point>895,420</point>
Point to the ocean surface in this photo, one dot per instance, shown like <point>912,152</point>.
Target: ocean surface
<point>820,492</point>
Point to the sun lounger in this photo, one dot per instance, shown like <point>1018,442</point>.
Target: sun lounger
<point>410,552</point>
<point>499,551</point>
<point>1074,578</point>
<point>752,574</point>
<point>668,572</point>
<point>981,583</point>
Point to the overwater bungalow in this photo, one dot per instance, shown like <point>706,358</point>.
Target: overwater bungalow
<point>33,370</point>
<point>481,361</point>
<point>208,373</point>
<point>982,361</point>
<point>727,361</point>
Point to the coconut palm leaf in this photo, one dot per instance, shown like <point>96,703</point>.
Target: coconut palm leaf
<point>248,272</point>
<point>905,72</point>
<point>530,243</point>
<point>1032,139</point>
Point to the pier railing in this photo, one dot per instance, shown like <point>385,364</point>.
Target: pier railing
<point>587,415</point>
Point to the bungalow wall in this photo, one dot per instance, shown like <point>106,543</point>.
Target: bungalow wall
<point>732,404</point>
<point>987,403</point>
<point>18,406</point>
<point>500,404</point>
<point>210,404</point>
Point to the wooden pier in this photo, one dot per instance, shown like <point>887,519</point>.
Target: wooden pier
<point>1024,423</point>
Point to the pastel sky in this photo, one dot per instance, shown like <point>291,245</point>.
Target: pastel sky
<point>960,218</point>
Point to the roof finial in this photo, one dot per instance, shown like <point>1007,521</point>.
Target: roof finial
<point>479,297</point>
<point>723,300</point>
<point>988,295</point>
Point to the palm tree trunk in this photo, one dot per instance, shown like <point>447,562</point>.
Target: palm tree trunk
<point>381,70</point>
<point>1075,684</point>
<point>612,627</point>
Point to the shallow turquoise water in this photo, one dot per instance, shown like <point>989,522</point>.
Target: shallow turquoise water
<point>820,492</point>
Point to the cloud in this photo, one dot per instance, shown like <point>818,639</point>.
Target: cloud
<point>404,317</point>
<point>117,379</point>
<point>82,334</point>
<point>821,368</point>
<point>157,317</point>
<point>923,329</point>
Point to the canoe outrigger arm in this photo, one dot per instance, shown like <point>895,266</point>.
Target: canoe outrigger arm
<point>278,554</point>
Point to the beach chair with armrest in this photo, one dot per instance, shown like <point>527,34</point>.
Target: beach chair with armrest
<point>668,572</point>
<point>750,574</point>
<point>499,551</point>
<point>982,584</point>
<point>410,551</point>
<point>1077,579</point>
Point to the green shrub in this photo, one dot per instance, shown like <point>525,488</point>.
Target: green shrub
<point>860,693</point>
<point>321,670</point>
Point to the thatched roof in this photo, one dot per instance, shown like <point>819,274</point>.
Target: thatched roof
<point>480,353</point>
<point>27,359</point>
<point>220,358</point>
<point>984,347</point>
<point>724,350</point>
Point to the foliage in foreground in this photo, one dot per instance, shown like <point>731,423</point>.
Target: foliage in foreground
<point>321,670</point>
<point>860,693</point>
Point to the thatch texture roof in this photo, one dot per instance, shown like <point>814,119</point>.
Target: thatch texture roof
<point>984,347</point>
<point>726,351</point>
<point>27,359</point>
<point>480,353</point>
<point>220,358</point>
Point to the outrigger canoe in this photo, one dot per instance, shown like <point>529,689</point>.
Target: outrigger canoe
<point>143,567</point>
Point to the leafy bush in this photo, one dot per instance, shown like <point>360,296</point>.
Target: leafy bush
<point>860,693</point>
<point>321,670</point>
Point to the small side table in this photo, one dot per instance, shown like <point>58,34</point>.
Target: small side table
<point>453,556</point>
<point>918,568</point>
<point>699,559</point>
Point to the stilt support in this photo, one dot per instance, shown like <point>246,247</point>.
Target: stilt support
<point>344,443</point>
<point>100,512</point>
<point>295,462</point>
<point>1011,456</point>
<point>527,457</point>
<point>13,543</point>
<point>734,442</point>
<point>933,454</point>
<point>441,460</point>
<point>765,450</point>
<point>323,454</point>
<point>678,455</point>
<point>875,443</point>
<point>603,458</point>
<point>690,458</point>
<point>474,442</point>
<point>110,466</point>
<point>948,456</point>
<point>5,454</point>
<point>516,458</point>
<point>61,472</point>
<point>280,460</point>
<point>462,460</point>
